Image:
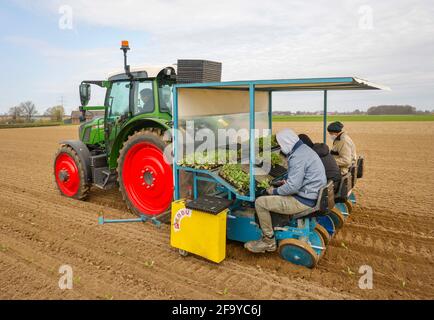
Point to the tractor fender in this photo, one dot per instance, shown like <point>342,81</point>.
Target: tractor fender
<point>131,127</point>
<point>84,155</point>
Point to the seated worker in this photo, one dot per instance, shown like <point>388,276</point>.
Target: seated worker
<point>331,167</point>
<point>306,140</point>
<point>344,150</point>
<point>299,192</point>
<point>147,97</point>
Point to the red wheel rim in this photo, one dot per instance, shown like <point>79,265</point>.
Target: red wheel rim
<point>67,175</point>
<point>147,178</point>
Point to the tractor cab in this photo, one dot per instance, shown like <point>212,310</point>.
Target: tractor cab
<point>145,92</point>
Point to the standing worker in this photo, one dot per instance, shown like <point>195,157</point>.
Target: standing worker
<point>299,192</point>
<point>344,149</point>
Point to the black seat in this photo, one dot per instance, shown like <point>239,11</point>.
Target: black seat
<point>360,167</point>
<point>353,171</point>
<point>326,201</point>
<point>343,189</point>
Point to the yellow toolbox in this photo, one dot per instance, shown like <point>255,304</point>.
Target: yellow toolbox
<point>198,232</point>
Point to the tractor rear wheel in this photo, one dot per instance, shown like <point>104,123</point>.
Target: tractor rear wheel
<point>69,174</point>
<point>145,177</point>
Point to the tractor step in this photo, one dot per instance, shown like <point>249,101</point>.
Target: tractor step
<point>98,161</point>
<point>103,178</point>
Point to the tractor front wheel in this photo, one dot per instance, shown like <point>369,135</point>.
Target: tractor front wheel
<point>145,177</point>
<point>69,174</point>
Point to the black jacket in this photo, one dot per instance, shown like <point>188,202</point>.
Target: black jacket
<point>332,170</point>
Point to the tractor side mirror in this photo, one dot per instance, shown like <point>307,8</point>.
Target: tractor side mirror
<point>85,93</point>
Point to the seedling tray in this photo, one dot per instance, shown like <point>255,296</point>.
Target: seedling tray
<point>208,204</point>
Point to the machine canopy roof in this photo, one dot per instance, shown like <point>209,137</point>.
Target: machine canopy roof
<point>232,97</point>
<point>314,84</point>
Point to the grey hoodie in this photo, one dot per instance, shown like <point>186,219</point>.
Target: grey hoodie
<point>306,173</point>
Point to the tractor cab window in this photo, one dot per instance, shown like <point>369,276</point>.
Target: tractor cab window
<point>118,99</point>
<point>165,95</point>
<point>144,98</point>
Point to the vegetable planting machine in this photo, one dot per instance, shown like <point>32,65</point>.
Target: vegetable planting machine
<point>150,110</point>
<point>302,238</point>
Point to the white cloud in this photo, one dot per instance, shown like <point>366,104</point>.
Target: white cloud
<point>278,39</point>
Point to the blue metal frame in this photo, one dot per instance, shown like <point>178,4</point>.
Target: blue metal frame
<point>214,178</point>
<point>175,143</point>
<point>344,83</point>
<point>244,227</point>
<point>252,142</point>
<point>142,218</point>
<point>214,85</point>
<point>251,86</point>
<point>325,117</point>
<point>270,111</point>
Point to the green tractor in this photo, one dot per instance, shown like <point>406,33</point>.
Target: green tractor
<point>126,146</point>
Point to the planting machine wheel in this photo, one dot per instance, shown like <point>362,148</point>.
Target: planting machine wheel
<point>323,233</point>
<point>327,223</point>
<point>317,243</point>
<point>183,253</point>
<point>145,178</point>
<point>338,218</point>
<point>69,174</point>
<point>298,252</point>
<point>343,208</point>
<point>352,198</point>
<point>349,205</point>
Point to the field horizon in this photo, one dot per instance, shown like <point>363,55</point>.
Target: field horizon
<point>364,117</point>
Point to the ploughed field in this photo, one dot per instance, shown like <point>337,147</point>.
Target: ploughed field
<point>391,229</point>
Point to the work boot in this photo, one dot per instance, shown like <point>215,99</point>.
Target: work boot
<point>261,246</point>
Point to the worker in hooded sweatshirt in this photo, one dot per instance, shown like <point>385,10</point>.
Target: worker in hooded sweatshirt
<point>344,149</point>
<point>299,192</point>
<point>331,167</point>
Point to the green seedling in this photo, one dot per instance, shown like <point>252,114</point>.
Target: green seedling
<point>224,292</point>
<point>149,264</point>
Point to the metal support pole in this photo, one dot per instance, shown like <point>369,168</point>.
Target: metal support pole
<point>195,191</point>
<point>270,111</point>
<point>143,218</point>
<point>252,141</point>
<point>175,143</point>
<point>325,116</point>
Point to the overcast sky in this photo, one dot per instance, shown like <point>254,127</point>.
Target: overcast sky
<point>45,52</point>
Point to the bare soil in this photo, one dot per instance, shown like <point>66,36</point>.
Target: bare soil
<point>391,230</point>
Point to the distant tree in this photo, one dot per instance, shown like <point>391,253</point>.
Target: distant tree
<point>56,113</point>
<point>392,109</point>
<point>29,110</point>
<point>15,113</point>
